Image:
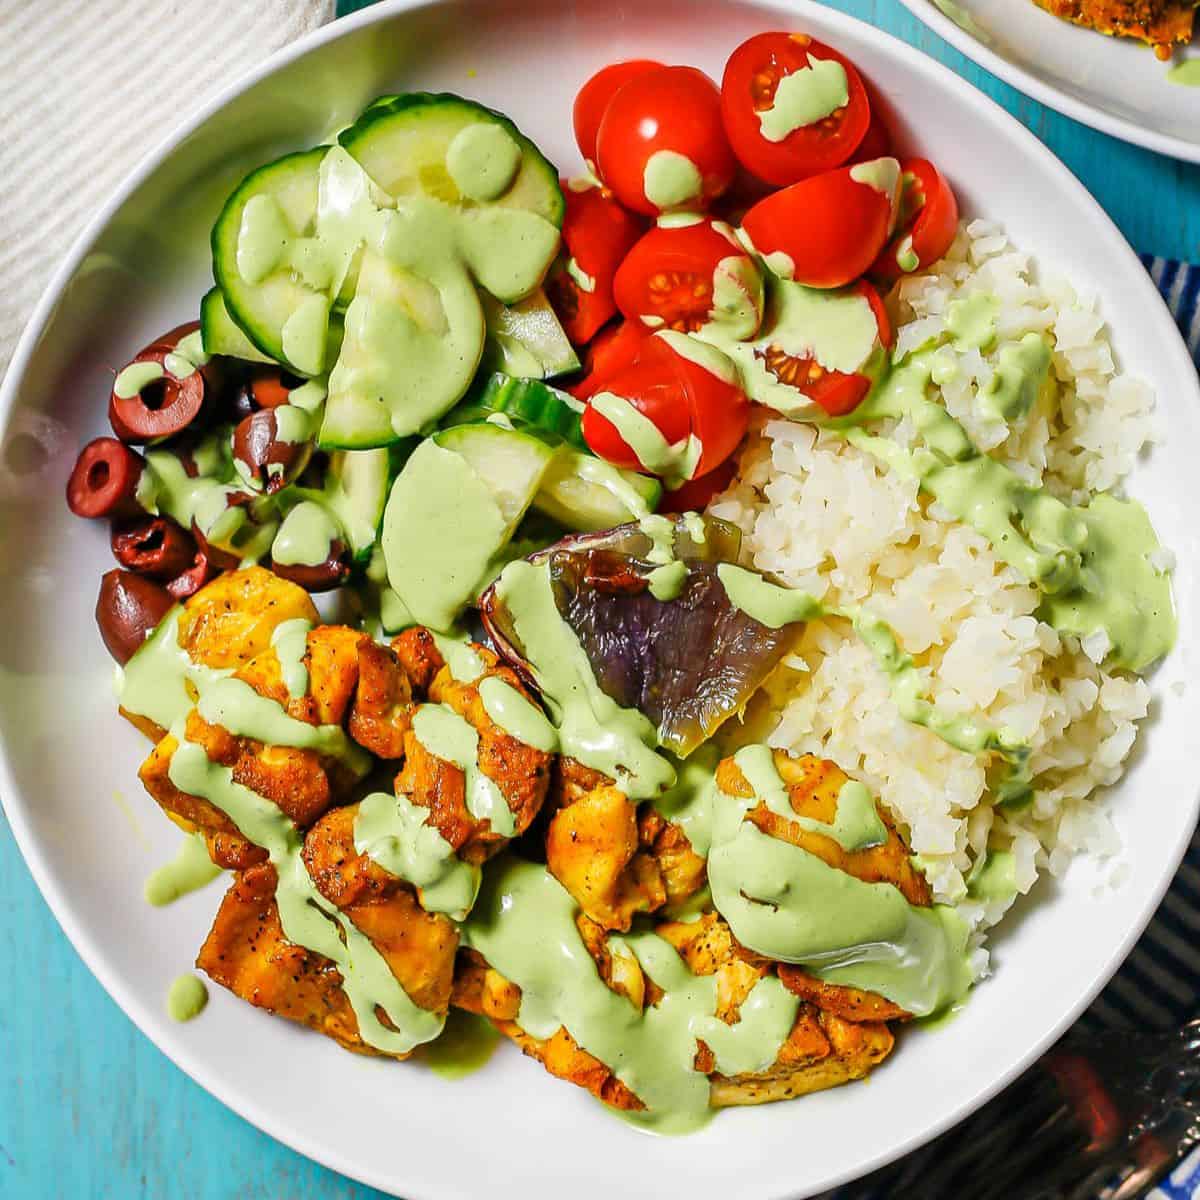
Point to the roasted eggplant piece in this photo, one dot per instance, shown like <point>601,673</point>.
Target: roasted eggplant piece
<point>686,663</point>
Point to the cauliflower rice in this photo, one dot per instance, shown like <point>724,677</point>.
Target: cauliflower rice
<point>826,517</point>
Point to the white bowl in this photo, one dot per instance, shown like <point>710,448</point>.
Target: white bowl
<point>67,766</point>
<point>1112,84</point>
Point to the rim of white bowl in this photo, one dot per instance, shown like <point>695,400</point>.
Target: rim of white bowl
<point>420,1186</point>
<point>928,13</point>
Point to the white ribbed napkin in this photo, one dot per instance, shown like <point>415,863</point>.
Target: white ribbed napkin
<point>86,88</point>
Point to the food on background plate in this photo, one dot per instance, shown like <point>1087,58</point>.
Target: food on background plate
<point>665,615</point>
<point>1161,24</point>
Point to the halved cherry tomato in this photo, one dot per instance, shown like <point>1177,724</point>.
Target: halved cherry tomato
<point>697,494</point>
<point>661,144</point>
<point>685,400</point>
<point>597,234</point>
<point>927,222</point>
<point>792,106</point>
<point>593,99</point>
<point>827,230</point>
<point>837,392</point>
<point>614,349</point>
<point>686,276</point>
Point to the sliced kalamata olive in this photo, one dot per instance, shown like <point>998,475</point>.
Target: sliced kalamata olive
<point>323,577</point>
<point>220,560</point>
<point>189,582</point>
<point>150,401</point>
<point>104,480</point>
<point>258,388</point>
<point>687,662</point>
<point>154,546</point>
<point>263,458</point>
<point>127,610</point>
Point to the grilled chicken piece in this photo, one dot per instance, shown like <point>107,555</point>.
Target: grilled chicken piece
<point>303,783</point>
<point>1159,23</point>
<point>521,772</point>
<point>813,785</point>
<point>418,946</point>
<point>822,1050</point>
<point>481,990</point>
<point>683,871</point>
<point>592,849</point>
<point>231,620</point>
<point>421,658</point>
<point>247,953</point>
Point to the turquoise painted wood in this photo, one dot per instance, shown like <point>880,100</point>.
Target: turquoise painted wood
<point>90,1110</point>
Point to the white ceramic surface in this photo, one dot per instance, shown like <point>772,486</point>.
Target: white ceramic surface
<point>67,762</point>
<point>1113,84</point>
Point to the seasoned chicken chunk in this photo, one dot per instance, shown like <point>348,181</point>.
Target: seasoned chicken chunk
<point>592,849</point>
<point>520,772</point>
<point>304,783</point>
<point>247,953</point>
<point>813,786</point>
<point>1160,23</point>
<point>821,1050</point>
<point>230,621</point>
<point>419,947</point>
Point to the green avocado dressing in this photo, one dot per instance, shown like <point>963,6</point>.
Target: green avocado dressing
<point>189,871</point>
<point>1021,373</point>
<point>306,535</point>
<point>671,180</point>
<point>153,683</point>
<point>971,320</point>
<point>441,528</point>
<point>289,639</point>
<point>187,998</point>
<point>857,824</point>
<point>518,716</point>
<point>788,904</point>
<point>737,296</point>
<point>835,329</point>
<point>307,918</point>
<point>994,877</point>
<point>1185,74</point>
<point>673,462</point>
<point>134,377</point>
<point>483,160</point>
<point>524,925</point>
<point>448,736</point>
<point>1092,563</point>
<point>394,832</point>
<point>465,1046</point>
<point>805,97</point>
<point>591,726</point>
<point>235,705</point>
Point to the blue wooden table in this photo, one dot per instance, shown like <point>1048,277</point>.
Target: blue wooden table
<point>90,1109</point>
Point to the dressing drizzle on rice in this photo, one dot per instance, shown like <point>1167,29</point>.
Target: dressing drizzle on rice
<point>824,516</point>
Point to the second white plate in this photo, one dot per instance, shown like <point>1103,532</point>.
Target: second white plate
<point>1112,84</point>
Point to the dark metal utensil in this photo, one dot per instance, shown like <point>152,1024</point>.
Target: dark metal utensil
<point>1103,1116</point>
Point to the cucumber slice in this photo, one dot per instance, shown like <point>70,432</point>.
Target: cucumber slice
<point>220,334</point>
<point>402,143</point>
<point>356,491</point>
<point>525,339</point>
<point>451,512</point>
<point>266,298</point>
<point>410,350</point>
<point>586,494</point>
<point>547,412</point>
<point>509,462</point>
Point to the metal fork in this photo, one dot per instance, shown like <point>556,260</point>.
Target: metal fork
<point>1103,1116</point>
